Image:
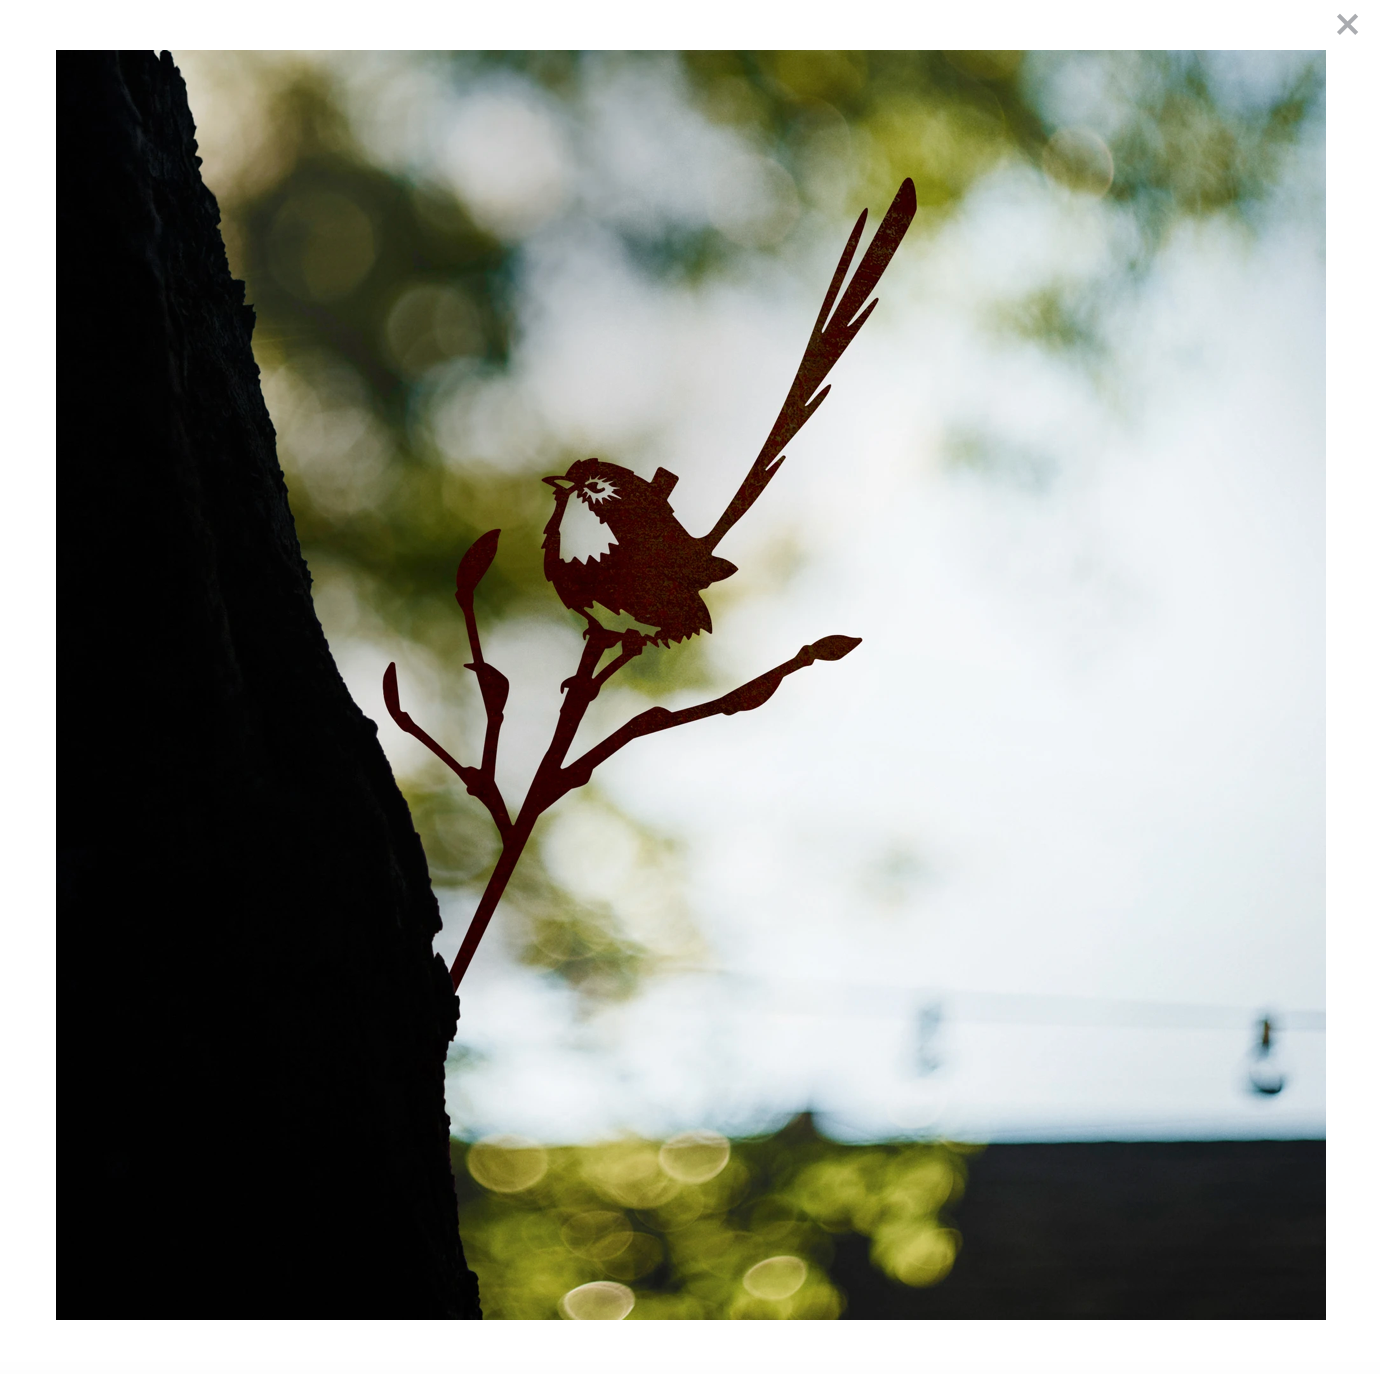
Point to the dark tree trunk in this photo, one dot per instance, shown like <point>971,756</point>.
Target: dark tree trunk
<point>253,1025</point>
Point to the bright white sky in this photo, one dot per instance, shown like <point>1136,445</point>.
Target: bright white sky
<point>1070,789</point>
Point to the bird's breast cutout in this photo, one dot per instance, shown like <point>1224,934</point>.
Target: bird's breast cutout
<point>583,535</point>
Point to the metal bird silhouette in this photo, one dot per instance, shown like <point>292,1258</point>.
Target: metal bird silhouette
<point>633,558</point>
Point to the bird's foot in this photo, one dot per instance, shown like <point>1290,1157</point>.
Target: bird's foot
<point>632,643</point>
<point>600,635</point>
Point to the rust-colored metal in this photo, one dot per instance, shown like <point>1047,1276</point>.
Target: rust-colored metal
<point>652,570</point>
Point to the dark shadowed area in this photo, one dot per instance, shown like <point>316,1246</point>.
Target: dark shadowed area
<point>1229,1229</point>
<point>252,1120</point>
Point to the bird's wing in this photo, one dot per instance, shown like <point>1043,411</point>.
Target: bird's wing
<point>830,336</point>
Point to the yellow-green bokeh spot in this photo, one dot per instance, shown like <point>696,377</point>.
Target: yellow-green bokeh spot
<point>694,1156</point>
<point>600,1301</point>
<point>779,1277</point>
<point>507,1163</point>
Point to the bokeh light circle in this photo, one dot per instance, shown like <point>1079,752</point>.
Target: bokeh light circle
<point>630,1174</point>
<point>321,245</point>
<point>429,323</point>
<point>1079,159</point>
<point>603,1300</point>
<point>775,1278</point>
<point>921,1258</point>
<point>506,1163</point>
<point>597,1235</point>
<point>694,1156</point>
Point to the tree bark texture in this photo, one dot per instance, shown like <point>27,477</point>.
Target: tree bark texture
<point>253,1024</point>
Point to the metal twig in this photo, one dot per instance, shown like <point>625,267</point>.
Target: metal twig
<point>478,783</point>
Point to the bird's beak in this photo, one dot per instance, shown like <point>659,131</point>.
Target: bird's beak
<point>559,482</point>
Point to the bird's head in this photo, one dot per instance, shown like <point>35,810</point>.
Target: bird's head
<point>599,485</point>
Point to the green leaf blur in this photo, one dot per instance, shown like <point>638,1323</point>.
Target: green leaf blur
<point>701,1228</point>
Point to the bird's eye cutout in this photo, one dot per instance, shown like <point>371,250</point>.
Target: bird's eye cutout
<point>600,489</point>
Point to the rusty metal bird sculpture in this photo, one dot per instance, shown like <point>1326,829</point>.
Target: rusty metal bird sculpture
<point>615,552</point>
<point>613,542</point>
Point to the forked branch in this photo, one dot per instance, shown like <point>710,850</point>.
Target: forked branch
<point>553,778</point>
<point>745,698</point>
<point>478,782</point>
<point>493,687</point>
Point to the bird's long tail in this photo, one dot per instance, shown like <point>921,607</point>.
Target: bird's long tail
<point>831,335</point>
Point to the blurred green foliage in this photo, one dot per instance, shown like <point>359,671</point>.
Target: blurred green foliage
<point>699,1227</point>
<point>940,118</point>
<point>384,305</point>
